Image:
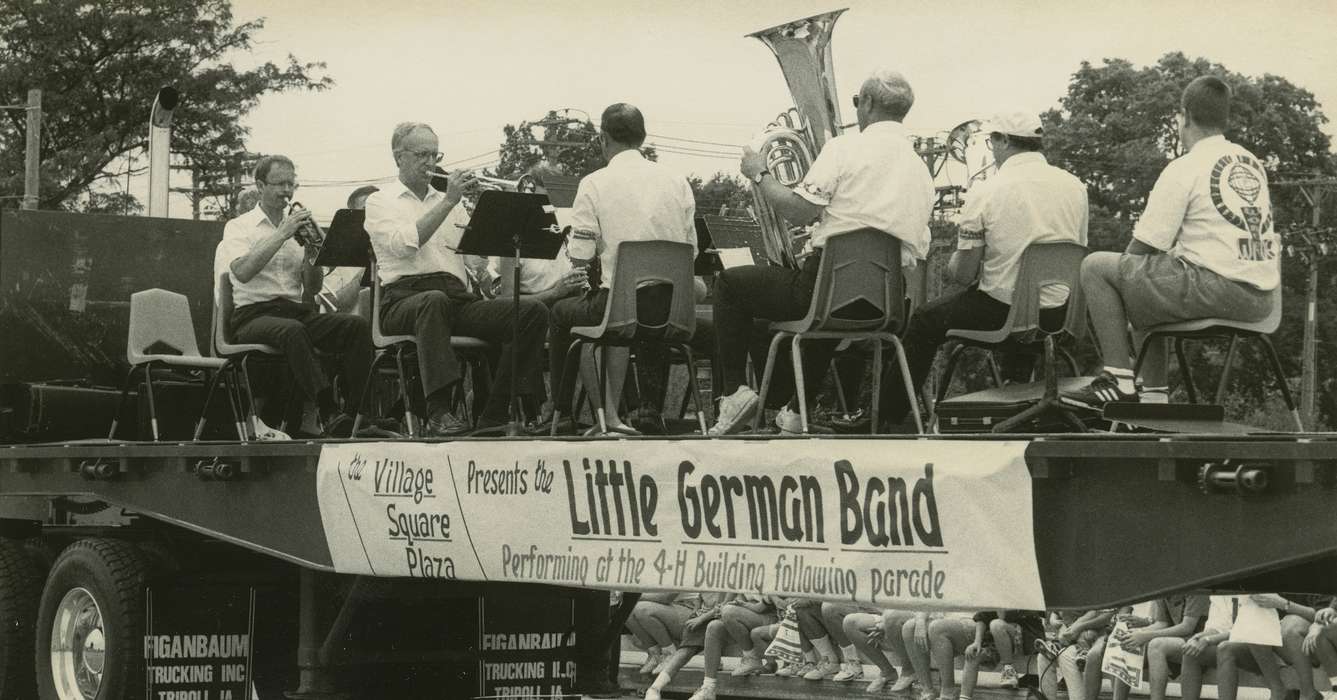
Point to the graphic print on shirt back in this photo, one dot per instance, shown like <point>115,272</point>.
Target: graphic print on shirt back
<point>1239,192</point>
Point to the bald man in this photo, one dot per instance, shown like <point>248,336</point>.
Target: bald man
<point>869,179</point>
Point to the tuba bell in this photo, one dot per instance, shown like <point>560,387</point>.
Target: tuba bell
<point>792,141</point>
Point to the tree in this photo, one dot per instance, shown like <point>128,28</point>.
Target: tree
<point>99,66</point>
<point>722,191</point>
<point>567,142</point>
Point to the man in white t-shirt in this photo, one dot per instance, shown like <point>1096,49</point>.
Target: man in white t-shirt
<point>1203,248</point>
<point>1028,201</point>
<point>869,179</point>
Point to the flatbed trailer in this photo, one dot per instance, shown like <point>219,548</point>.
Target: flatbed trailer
<point>1110,519</point>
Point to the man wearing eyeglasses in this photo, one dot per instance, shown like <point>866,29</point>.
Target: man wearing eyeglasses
<point>869,179</point>
<point>274,279</point>
<point>414,232</point>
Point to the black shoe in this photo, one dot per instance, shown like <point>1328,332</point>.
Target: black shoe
<point>1102,390</point>
<point>445,424</point>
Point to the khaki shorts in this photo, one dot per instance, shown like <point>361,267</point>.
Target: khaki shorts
<point>1161,288</point>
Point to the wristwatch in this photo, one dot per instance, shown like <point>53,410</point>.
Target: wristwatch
<point>756,179</point>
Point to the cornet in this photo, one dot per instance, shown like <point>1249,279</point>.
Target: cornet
<point>309,235</point>
<point>485,182</point>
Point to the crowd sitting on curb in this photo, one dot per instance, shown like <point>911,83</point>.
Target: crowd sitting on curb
<point>916,653</point>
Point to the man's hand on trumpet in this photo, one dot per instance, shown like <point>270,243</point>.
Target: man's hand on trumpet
<point>293,222</point>
<point>458,184</point>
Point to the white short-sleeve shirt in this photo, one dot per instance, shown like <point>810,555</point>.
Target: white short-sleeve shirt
<point>633,199</point>
<point>392,225</point>
<point>872,179</point>
<point>1211,208</point>
<point>1028,201</point>
<point>281,278</point>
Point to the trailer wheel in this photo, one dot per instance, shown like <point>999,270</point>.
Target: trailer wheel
<point>91,621</point>
<point>20,590</point>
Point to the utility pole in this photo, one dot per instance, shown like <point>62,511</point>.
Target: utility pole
<point>32,161</point>
<point>1314,191</point>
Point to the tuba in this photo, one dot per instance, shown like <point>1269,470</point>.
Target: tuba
<point>792,141</point>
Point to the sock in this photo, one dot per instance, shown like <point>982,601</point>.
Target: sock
<point>661,681</point>
<point>1124,377</point>
<point>670,650</point>
<point>1154,394</point>
<point>850,653</point>
<point>825,648</point>
<point>707,683</point>
<point>810,656</point>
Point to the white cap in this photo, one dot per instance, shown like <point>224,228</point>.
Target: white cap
<point>1021,124</point>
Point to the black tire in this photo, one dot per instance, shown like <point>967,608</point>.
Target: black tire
<point>20,589</point>
<point>113,574</point>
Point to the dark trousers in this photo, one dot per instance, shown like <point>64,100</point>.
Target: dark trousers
<point>746,294</point>
<point>297,330</point>
<point>436,306</point>
<point>652,308</point>
<point>969,309</point>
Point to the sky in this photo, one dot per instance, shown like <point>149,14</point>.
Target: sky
<point>469,67</point>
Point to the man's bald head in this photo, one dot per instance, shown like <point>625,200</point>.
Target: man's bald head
<point>889,95</point>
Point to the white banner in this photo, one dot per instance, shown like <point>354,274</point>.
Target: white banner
<point>899,524</point>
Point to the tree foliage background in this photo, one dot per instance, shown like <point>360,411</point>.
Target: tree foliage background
<point>569,143</point>
<point>100,64</point>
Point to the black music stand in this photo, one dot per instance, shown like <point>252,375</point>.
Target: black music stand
<point>346,241</point>
<point>516,225</point>
<point>707,256</point>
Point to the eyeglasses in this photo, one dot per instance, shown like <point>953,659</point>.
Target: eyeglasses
<point>434,156</point>
<point>284,183</point>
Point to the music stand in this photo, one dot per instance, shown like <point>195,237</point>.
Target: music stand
<point>346,241</point>
<point>707,257</point>
<point>516,225</point>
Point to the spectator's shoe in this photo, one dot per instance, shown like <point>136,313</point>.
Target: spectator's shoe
<point>768,666</point>
<point>822,671</point>
<point>1009,677</point>
<point>652,694</point>
<point>703,693</point>
<point>795,670</point>
<point>902,684</point>
<point>445,424</point>
<point>652,661</point>
<point>1102,390</point>
<point>876,686</point>
<point>736,411</point>
<point>849,671</point>
<point>749,666</point>
<point>789,422</point>
<point>1080,658</point>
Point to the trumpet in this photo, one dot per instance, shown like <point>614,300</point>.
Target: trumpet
<point>309,235</point>
<point>482,183</point>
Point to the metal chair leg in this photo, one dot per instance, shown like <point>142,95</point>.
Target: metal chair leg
<point>208,396</point>
<point>572,361</point>
<point>235,401</point>
<point>367,390</point>
<point>153,408</point>
<point>120,405</point>
<point>1072,362</point>
<point>410,420</point>
<point>692,387</point>
<point>1224,381</point>
<point>601,384</point>
<point>909,383</point>
<point>834,371</point>
<point>946,380</point>
<point>1182,357</point>
<point>1281,382</point>
<point>796,358</point>
<point>876,398</point>
<point>994,372</point>
<point>765,381</point>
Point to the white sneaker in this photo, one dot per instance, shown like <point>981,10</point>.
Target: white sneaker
<point>822,671</point>
<point>849,671</point>
<point>652,694</point>
<point>652,661</point>
<point>904,683</point>
<point>750,666</point>
<point>795,670</point>
<point>789,422</point>
<point>736,411</point>
<point>703,693</point>
<point>876,686</point>
<point>1009,677</point>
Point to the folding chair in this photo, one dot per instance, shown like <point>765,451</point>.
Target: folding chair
<point>159,318</point>
<point>1042,264</point>
<point>1206,328</point>
<point>238,353</point>
<point>859,269</point>
<point>640,264</point>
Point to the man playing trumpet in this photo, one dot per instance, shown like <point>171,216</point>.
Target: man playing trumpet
<point>414,232</point>
<point>270,253</point>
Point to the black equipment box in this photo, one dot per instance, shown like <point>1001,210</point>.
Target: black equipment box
<point>56,411</point>
<point>980,411</point>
